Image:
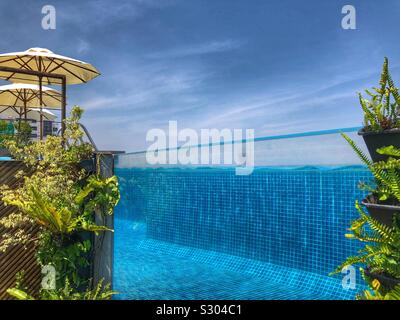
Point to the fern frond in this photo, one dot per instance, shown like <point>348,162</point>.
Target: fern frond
<point>393,294</point>
<point>389,150</point>
<point>393,89</point>
<point>349,262</point>
<point>363,157</point>
<point>384,231</point>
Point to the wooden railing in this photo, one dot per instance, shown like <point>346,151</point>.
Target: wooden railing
<point>17,258</point>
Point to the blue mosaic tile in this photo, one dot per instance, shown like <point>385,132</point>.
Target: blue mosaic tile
<point>277,232</point>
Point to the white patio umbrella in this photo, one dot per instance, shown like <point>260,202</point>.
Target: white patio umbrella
<point>33,114</point>
<point>44,60</point>
<point>42,66</point>
<point>23,96</point>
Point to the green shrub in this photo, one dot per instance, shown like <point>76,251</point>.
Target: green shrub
<point>23,132</point>
<point>67,292</point>
<point>61,199</point>
<point>6,132</point>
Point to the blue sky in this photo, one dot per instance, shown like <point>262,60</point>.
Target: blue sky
<point>274,66</point>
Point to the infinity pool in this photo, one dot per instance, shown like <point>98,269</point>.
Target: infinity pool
<point>210,234</point>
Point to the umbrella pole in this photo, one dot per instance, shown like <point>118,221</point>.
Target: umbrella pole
<point>25,102</point>
<point>63,106</point>
<point>41,104</point>
<point>19,125</point>
<point>19,120</point>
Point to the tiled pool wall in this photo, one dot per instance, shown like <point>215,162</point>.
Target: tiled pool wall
<point>295,218</point>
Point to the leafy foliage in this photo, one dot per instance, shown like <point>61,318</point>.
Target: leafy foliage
<point>22,133</point>
<point>382,250</point>
<point>19,131</point>
<point>67,254</point>
<point>67,292</point>
<point>3,126</point>
<point>386,173</point>
<point>381,111</point>
<point>75,218</point>
<point>62,199</point>
<point>98,193</point>
<point>377,293</point>
<point>6,131</point>
<point>48,196</point>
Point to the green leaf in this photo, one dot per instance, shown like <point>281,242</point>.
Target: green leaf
<point>19,294</point>
<point>389,150</point>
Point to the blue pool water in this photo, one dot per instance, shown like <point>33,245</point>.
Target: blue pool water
<point>210,234</point>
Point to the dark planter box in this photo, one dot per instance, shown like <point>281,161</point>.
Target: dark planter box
<point>89,165</point>
<point>375,141</point>
<point>87,271</point>
<point>387,282</point>
<point>382,212</point>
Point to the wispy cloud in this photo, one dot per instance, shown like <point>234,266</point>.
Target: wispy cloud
<point>94,13</point>
<point>149,85</point>
<point>154,95</point>
<point>82,46</point>
<point>198,49</point>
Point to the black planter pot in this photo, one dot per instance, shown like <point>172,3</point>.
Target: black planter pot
<point>67,240</point>
<point>85,272</point>
<point>89,165</point>
<point>387,282</point>
<point>382,212</point>
<point>378,140</point>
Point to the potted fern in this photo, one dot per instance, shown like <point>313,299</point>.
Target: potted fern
<point>379,259</point>
<point>383,201</point>
<point>381,115</point>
